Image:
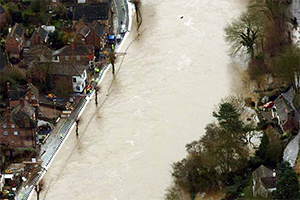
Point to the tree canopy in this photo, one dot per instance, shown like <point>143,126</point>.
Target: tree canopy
<point>287,183</point>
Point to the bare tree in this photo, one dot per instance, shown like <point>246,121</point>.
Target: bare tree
<point>38,188</point>
<point>112,58</point>
<point>77,124</point>
<point>96,95</point>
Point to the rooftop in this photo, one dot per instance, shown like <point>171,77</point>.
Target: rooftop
<point>262,172</point>
<point>77,50</point>
<point>91,12</point>
<point>16,32</point>
<point>75,69</point>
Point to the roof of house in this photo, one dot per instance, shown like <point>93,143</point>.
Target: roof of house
<point>262,172</point>
<point>269,182</point>
<point>75,69</point>
<point>17,92</point>
<point>16,32</point>
<point>78,50</point>
<point>22,115</point>
<point>283,107</point>
<point>1,9</point>
<point>42,33</point>
<point>84,31</point>
<point>3,59</point>
<point>99,29</point>
<point>98,11</point>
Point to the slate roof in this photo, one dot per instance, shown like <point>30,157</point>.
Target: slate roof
<point>84,31</point>
<point>1,9</point>
<point>269,182</point>
<point>3,59</point>
<point>16,32</point>
<point>78,50</point>
<point>99,29</point>
<point>18,92</point>
<point>75,69</point>
<point>283,108</point>
<point>262,172</point>
<point>21,115</point>
<point>91,12</point>
<point>42,33</point>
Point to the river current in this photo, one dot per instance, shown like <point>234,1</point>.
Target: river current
<point>171,79</point>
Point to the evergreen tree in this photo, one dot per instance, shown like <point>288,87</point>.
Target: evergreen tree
<point>287,183</point>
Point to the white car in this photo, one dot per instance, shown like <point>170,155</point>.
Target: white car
<point>123,29</point>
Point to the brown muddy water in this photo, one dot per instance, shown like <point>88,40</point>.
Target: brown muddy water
<point>164,95</point>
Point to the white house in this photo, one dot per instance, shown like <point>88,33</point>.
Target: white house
<point>79,81</point>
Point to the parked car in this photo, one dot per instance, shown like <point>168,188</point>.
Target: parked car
<point>123,29</point>
<point>270,104</point>
<point>119,37</point>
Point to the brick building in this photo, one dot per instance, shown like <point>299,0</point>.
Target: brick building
<point>18,127</point>
<point>89,14</point>
<point>83,54</point>
<point>94,36</point>
<point>14,42</point>
<point>27,92</point>
<point>39,37</point>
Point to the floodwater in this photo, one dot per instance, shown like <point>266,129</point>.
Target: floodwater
<point>171,79</point>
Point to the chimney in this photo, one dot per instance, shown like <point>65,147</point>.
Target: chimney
<point>29,94</point>
<point>72,44</point>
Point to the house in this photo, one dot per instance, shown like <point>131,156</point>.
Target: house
<point>263,181</point>
<point>39,37</point>
<point>94,12</point>
<point>74,76</point>
<point>94,36</point>
<point>18,127</point>
<point>14,42</point>
<point>27,92</point>
<point>285,115</point>
<point>83,54</point>
<point>2,15</point>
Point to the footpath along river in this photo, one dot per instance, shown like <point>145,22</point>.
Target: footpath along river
<point>171,79</point>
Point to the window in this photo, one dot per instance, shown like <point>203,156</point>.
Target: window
<point>16,133</point>
<point>77,57</point>
<point>55,58</point>
<point>74,80</point>
<point>67,57</point>
<point>13,125</point>
<point>5,133</point>
<point>4,126</point>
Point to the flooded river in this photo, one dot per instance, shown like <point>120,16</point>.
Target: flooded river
<point>171,79</point>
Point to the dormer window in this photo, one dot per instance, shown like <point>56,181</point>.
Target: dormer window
<point>4,126</point>
<point>55,58</point>
<point>13,126</point>
<point>77,57</point>
<point>66,57</point>
<point>16,133</point>
<point>74,80</point>
<point>32,97</point>
<point>5,133</point>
